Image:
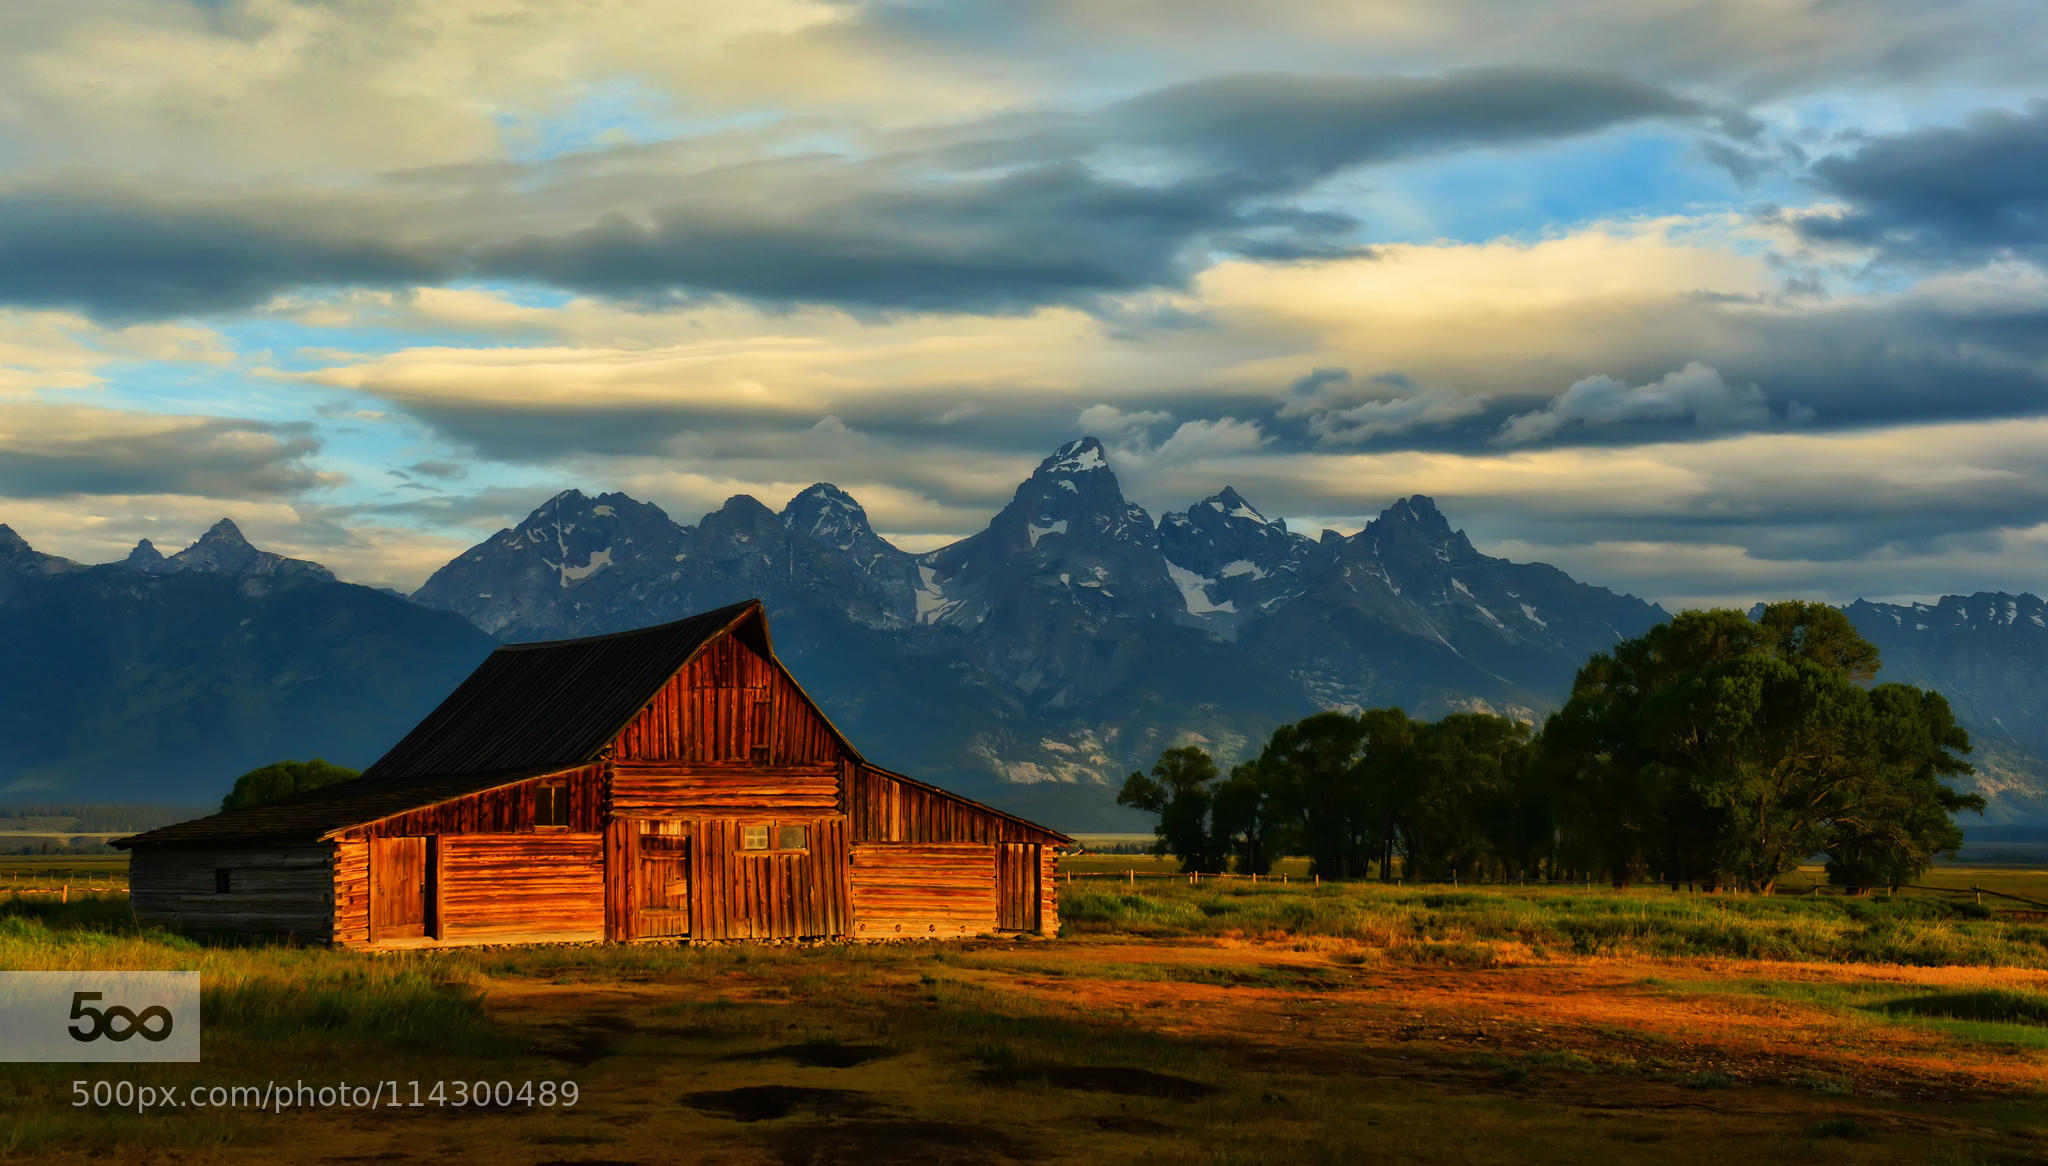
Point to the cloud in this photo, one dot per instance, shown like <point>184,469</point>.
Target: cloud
<point>55,450</point>
<point>1695,392</point>
<point>1943,195</point>
<point>997,216</point>
<point>1334,415</point>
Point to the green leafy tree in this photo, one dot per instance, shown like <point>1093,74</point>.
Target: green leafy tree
<point>1179,792</point>
<point>1314,775</point>
<point>1722,746</point>
<point>1241,825</point>
<point>1468,773</point>
<point>282,779</point>
<point>1894,824</point>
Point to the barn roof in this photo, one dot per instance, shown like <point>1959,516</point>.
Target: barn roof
<point>538,707</point>
<point>527,710</point>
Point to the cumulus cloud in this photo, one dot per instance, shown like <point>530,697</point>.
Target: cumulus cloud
<point>1695,392</point>
<point>1330,406</point>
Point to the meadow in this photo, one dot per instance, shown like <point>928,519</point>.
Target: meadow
<point>1216,1022</point>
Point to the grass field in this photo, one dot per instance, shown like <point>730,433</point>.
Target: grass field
<point>1218,1023</point>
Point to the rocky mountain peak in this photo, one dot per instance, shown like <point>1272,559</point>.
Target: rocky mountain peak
<point>1233,504</point>
<point>1083,455</point>
<point>13,545</point>
<point>145,557</point>
<point>222,550</point>
<point>829,514</point>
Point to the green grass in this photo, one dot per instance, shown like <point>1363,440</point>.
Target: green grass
<point>1481,927</point>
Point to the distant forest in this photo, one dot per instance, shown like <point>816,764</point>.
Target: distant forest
<point>67,821</point>
<point>1713,749</point>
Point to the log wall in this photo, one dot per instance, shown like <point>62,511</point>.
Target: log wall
<point>667,789</point>
<point>521,888</point>
<point>929,890</point>
<point>351,892</point>
<point>272,890</point>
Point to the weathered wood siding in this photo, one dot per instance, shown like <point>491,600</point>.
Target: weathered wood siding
<point>505,810</point>
<point>753,894</point>
<point>931,889</point>
<point>1017,903</point>
<point>1048,890</point>
<point>521,888</point>
<point>272,890</point>
<point>351,893</point>
<point>730,704</point>
<point>668,789</point>
<point>885,809</point>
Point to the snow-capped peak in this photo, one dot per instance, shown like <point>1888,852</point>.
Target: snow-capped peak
<point>1076,457</point>
<point>1231,503</point>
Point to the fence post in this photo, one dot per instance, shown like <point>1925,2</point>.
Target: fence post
<point>1319,880</point>
<point>1980,893</point>
<point>1133,876</point>
<point>67,894</point>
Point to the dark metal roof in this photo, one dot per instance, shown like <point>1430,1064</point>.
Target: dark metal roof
<point>315,814</point>
<point>552,705</point>
<point>528,709</point>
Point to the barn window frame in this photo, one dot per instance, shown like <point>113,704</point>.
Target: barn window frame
<point>223,880</point>
<point>551,806</point>
<point>768,837</point>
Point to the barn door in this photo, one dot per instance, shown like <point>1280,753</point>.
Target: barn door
<point>663,889</point>
<point>401,888</point>
<point>1016,887</point>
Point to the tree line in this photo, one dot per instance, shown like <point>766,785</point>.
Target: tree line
<point>1714,748</point>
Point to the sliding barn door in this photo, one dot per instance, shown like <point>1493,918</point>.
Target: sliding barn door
<point>1016,887</point>
<point>401,888</point>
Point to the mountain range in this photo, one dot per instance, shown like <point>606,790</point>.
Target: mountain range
<point>1032,663</point>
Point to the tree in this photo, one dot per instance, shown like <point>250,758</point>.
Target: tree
<point>1240,821</point>
<point>282,779</point>
<point>1894,824</point>
<point>1178,792</point>
<point>1468,773</point>
<point>1721,744</point>
<point>1314,775</point>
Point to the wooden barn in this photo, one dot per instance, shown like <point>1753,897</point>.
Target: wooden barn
<point>669,783</point>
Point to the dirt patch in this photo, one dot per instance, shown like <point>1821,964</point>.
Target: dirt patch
<point>583,1045</point>
<point>753,1103</point>
<point>1123,1123</point>
<point>819,1054</point>
<point>931,1143</point>
<point>1097,1079</point>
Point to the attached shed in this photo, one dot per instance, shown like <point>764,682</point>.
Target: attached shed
<point>673,782</point>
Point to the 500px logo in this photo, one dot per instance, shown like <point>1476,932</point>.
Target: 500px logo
<point>96,1016</point>
<point>105,1021</point>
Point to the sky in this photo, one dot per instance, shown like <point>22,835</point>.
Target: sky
<point>1707,302</point>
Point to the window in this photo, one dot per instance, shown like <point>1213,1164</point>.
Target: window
<point>793,838</point>
<point>220,880</point>
<point>551,805</point>
<point>753,838</point>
